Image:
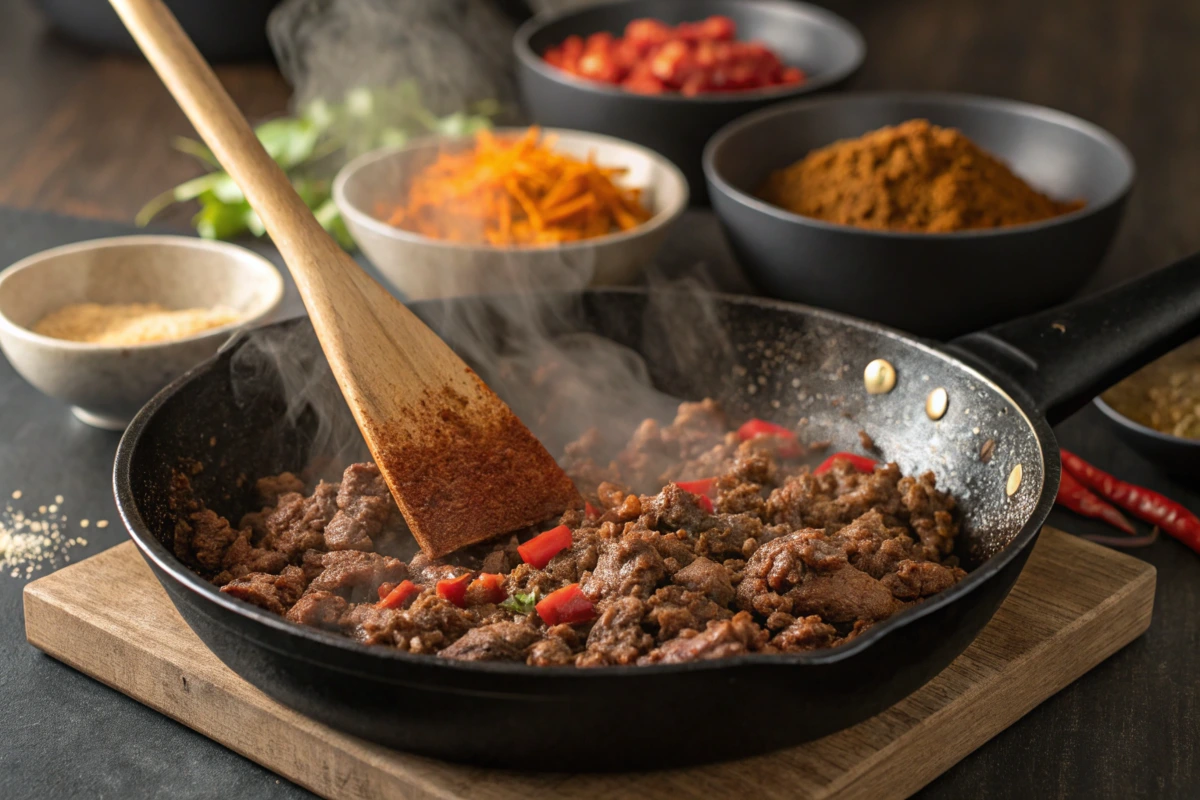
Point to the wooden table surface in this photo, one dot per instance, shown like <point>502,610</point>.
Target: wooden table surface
<point>88,135</point>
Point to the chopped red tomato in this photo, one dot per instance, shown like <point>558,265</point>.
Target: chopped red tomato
<point>454,589</point>
<point>860,463</point>
<point>538,551</point>
<point>568,605</point>
<point>399,597</point>
<point>691,58</point>
<point>488,588</point>
<point>754,428</point>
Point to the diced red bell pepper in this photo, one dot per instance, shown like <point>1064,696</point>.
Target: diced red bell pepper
<point>754,428</point>
<point>399,597</point>
<point>569,605</point>
<point>647,31</point>
<point>488,587</point>
<point>717,27</point>
<point>455,589</point>
<point>669,63</point>
<point>599,67</point>
<point>860,463</point>
<point>591,512</point>
<point>704,502</point>
<point>538,551</point>
<point>704,486</point>
<point>694,84</point>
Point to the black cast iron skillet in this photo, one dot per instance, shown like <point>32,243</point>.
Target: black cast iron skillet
<point>781,361</point>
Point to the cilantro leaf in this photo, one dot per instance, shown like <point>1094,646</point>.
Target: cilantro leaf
<point>304,146</point>
<point>521,603</point>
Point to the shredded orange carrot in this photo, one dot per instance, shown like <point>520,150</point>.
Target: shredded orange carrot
<point>514,192</point>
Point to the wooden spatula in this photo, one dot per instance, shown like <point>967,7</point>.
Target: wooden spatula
<point>460,464</point>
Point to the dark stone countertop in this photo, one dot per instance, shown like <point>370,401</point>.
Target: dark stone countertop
<point>1130,727</point>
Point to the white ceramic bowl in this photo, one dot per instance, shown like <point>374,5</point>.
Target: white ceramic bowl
<point>422,267</point>
<point>105,385</point>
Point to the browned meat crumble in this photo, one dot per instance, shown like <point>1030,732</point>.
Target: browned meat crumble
<point>786,561</point>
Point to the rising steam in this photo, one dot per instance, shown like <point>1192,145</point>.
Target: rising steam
<point>532,343</point>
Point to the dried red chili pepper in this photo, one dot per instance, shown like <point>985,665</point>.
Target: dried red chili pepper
<point>1076,497</point>
<point>860,463</point>
<point>1143,503</point>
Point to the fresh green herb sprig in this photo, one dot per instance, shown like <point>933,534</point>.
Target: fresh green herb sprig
<point>309,147</point>
<point>521,603</point>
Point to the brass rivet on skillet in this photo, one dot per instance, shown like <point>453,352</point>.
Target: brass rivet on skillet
<point>936,403</point>
<point>1014,481</point>
<point>879,377</point>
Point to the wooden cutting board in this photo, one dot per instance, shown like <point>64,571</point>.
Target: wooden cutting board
<point>1075,604</point>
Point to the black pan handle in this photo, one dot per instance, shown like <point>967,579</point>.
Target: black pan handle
<point>1066,356</point>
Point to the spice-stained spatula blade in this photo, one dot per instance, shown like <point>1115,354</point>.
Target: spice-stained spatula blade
<point>460,464</point>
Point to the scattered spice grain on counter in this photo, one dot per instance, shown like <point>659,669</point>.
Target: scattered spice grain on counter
<point>30,542</point>
<point>131,323</point>
<point>507,191</point>
<point>913,177</point>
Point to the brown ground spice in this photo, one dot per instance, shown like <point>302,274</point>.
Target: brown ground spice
<point>911,177</point>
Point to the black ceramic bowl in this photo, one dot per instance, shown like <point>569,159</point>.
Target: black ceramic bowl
<point>825,46</point>
<point>939,284</point>
<point>1174,454</point>
<point>223,30</point>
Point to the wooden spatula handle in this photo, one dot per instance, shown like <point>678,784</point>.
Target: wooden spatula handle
<point>460,464</point>
<point>293,228</point>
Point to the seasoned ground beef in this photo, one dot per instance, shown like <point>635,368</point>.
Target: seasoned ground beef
<point>696,543</point>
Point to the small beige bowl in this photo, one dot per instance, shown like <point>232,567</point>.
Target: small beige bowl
<point>106,385</point>
<point>422,267</point>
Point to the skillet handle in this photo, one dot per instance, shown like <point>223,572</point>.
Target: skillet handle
<point>1067,355</point>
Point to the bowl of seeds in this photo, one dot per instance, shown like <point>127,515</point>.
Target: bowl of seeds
<point>103,325</point>
<point>1156,411</point>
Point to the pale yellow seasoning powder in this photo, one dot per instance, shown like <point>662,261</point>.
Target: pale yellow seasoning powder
<point>130,324</point>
